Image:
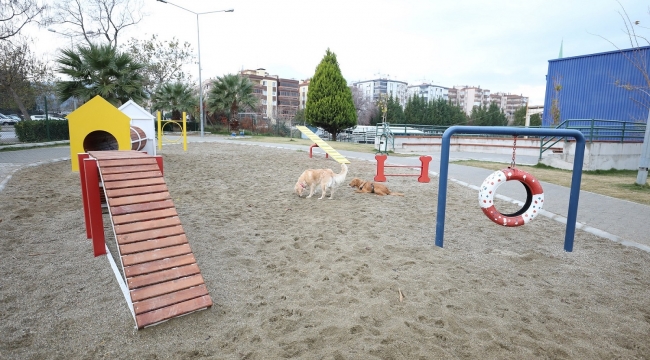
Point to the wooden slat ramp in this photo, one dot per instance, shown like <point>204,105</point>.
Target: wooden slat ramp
<point>161,273</point>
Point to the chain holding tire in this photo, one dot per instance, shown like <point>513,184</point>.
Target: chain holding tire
<point>514,149</point>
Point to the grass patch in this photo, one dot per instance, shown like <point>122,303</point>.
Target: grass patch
<point>18,148</point>
<point>620,184</point>
<point>365,148</point>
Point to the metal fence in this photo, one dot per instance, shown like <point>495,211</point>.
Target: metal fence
<point>8,135</point>
<point>607,130</point>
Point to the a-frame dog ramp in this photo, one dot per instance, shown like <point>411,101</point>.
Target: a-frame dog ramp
<point>162,278</point>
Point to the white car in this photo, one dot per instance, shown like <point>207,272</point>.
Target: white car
<point>42,117</point>
<point>7,120</point>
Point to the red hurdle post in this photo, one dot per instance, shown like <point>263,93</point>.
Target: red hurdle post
<point>424,168</point>
<point>94,205</point>
<point>381,159</point>
<point>84,194</point>
<point>312,147</point>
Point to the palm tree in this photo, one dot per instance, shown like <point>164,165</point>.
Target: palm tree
<point>230,94</point>
<point>177,97</point>
<point>100,70</point>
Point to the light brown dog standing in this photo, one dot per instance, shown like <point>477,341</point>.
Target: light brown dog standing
<point>371,187</point>
<point>325,178</point>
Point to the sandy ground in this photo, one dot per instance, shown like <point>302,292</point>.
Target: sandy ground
<point>318,279</point>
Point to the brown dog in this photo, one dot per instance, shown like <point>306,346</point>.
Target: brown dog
<point>372,187</point>
<point>325,178</point>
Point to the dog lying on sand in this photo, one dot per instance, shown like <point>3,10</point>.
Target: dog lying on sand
<point>325,178</point>
<point>371,187</point>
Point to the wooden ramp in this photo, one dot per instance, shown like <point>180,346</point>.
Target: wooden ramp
<point>161,273</point>
<point>323,145</point>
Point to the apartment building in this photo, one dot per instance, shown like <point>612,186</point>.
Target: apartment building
<point>428,91</point>
<point>509,103</point>
<point>288,98</point>
<point>303,88</point>
<point>468,96</point>
<point>279,98</point>
<point>372,89</point>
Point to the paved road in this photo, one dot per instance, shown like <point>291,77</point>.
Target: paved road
<point>618,220</point>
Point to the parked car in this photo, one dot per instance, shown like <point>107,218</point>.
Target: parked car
<point>42,117</point>
<point>6,120</point>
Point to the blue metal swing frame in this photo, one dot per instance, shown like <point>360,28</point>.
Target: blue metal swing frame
<point>506,130</point>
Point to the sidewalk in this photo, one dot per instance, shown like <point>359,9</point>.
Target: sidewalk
<point>618,220</point>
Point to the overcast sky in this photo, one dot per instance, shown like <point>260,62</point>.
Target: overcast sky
<point>500,45</point>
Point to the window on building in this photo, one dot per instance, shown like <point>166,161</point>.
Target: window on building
<point>264,82</point>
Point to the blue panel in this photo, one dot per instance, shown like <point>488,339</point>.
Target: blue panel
<point>589,86</point>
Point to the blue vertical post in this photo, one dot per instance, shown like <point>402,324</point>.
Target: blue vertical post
<point>572,215</point>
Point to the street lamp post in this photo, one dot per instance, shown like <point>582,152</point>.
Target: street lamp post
<point>68,35</point>
<point>92,33</point>
<point>198,38</point>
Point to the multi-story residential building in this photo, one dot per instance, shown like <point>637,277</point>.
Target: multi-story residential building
<point>303,88</point>
<point>468,96</point>
<point>372,89</point>
<point>509,103</point>
<point>428,91</point>
<point>265,88</point>
<point>288,98</point>
<point>513,103</point>
<point>279,98</point>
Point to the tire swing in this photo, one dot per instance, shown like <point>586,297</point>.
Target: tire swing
<point>534,195</point>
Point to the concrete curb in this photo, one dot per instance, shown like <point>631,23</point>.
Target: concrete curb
<point>4,182</point>
<point>33,145</point>
<point>563,220</point>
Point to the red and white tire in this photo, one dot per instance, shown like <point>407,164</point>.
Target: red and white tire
<point>531,208</point>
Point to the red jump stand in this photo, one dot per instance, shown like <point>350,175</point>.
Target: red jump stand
<point>424,168</point>
<point>312,148</point>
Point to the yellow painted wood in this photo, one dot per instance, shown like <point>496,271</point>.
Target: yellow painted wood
<point>97,115</point>
<point>323,145</point>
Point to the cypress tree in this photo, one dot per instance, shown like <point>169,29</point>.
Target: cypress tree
<point>329,104</point>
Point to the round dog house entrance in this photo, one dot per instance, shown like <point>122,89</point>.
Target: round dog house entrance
<point>100,141</point>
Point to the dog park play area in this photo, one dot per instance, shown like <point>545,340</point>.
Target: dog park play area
<point>355,277</point>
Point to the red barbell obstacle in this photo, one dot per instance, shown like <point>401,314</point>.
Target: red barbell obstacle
<point>424,168</point>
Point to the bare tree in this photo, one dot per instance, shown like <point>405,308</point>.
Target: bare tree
<point>637,57</point>
<point>363,105</point>
<point>21,73</point>
<point>104,18</point>
<point>15,14</point>
<point>164,60</point>
<point>555,101</point>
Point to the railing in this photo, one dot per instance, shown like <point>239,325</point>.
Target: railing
<point>386,136</point>
<point>410,129</point>
<point>598,130</point>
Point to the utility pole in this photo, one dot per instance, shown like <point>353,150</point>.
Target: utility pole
<point>644,159</point>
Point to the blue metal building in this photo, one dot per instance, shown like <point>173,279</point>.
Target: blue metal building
<point>595,86</point>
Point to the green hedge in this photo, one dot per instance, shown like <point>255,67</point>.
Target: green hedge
<point>42,130</point>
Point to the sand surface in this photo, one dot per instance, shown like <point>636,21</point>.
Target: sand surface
<point>318,279</point>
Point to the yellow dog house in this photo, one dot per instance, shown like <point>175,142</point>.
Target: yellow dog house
<point>98,125</point>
